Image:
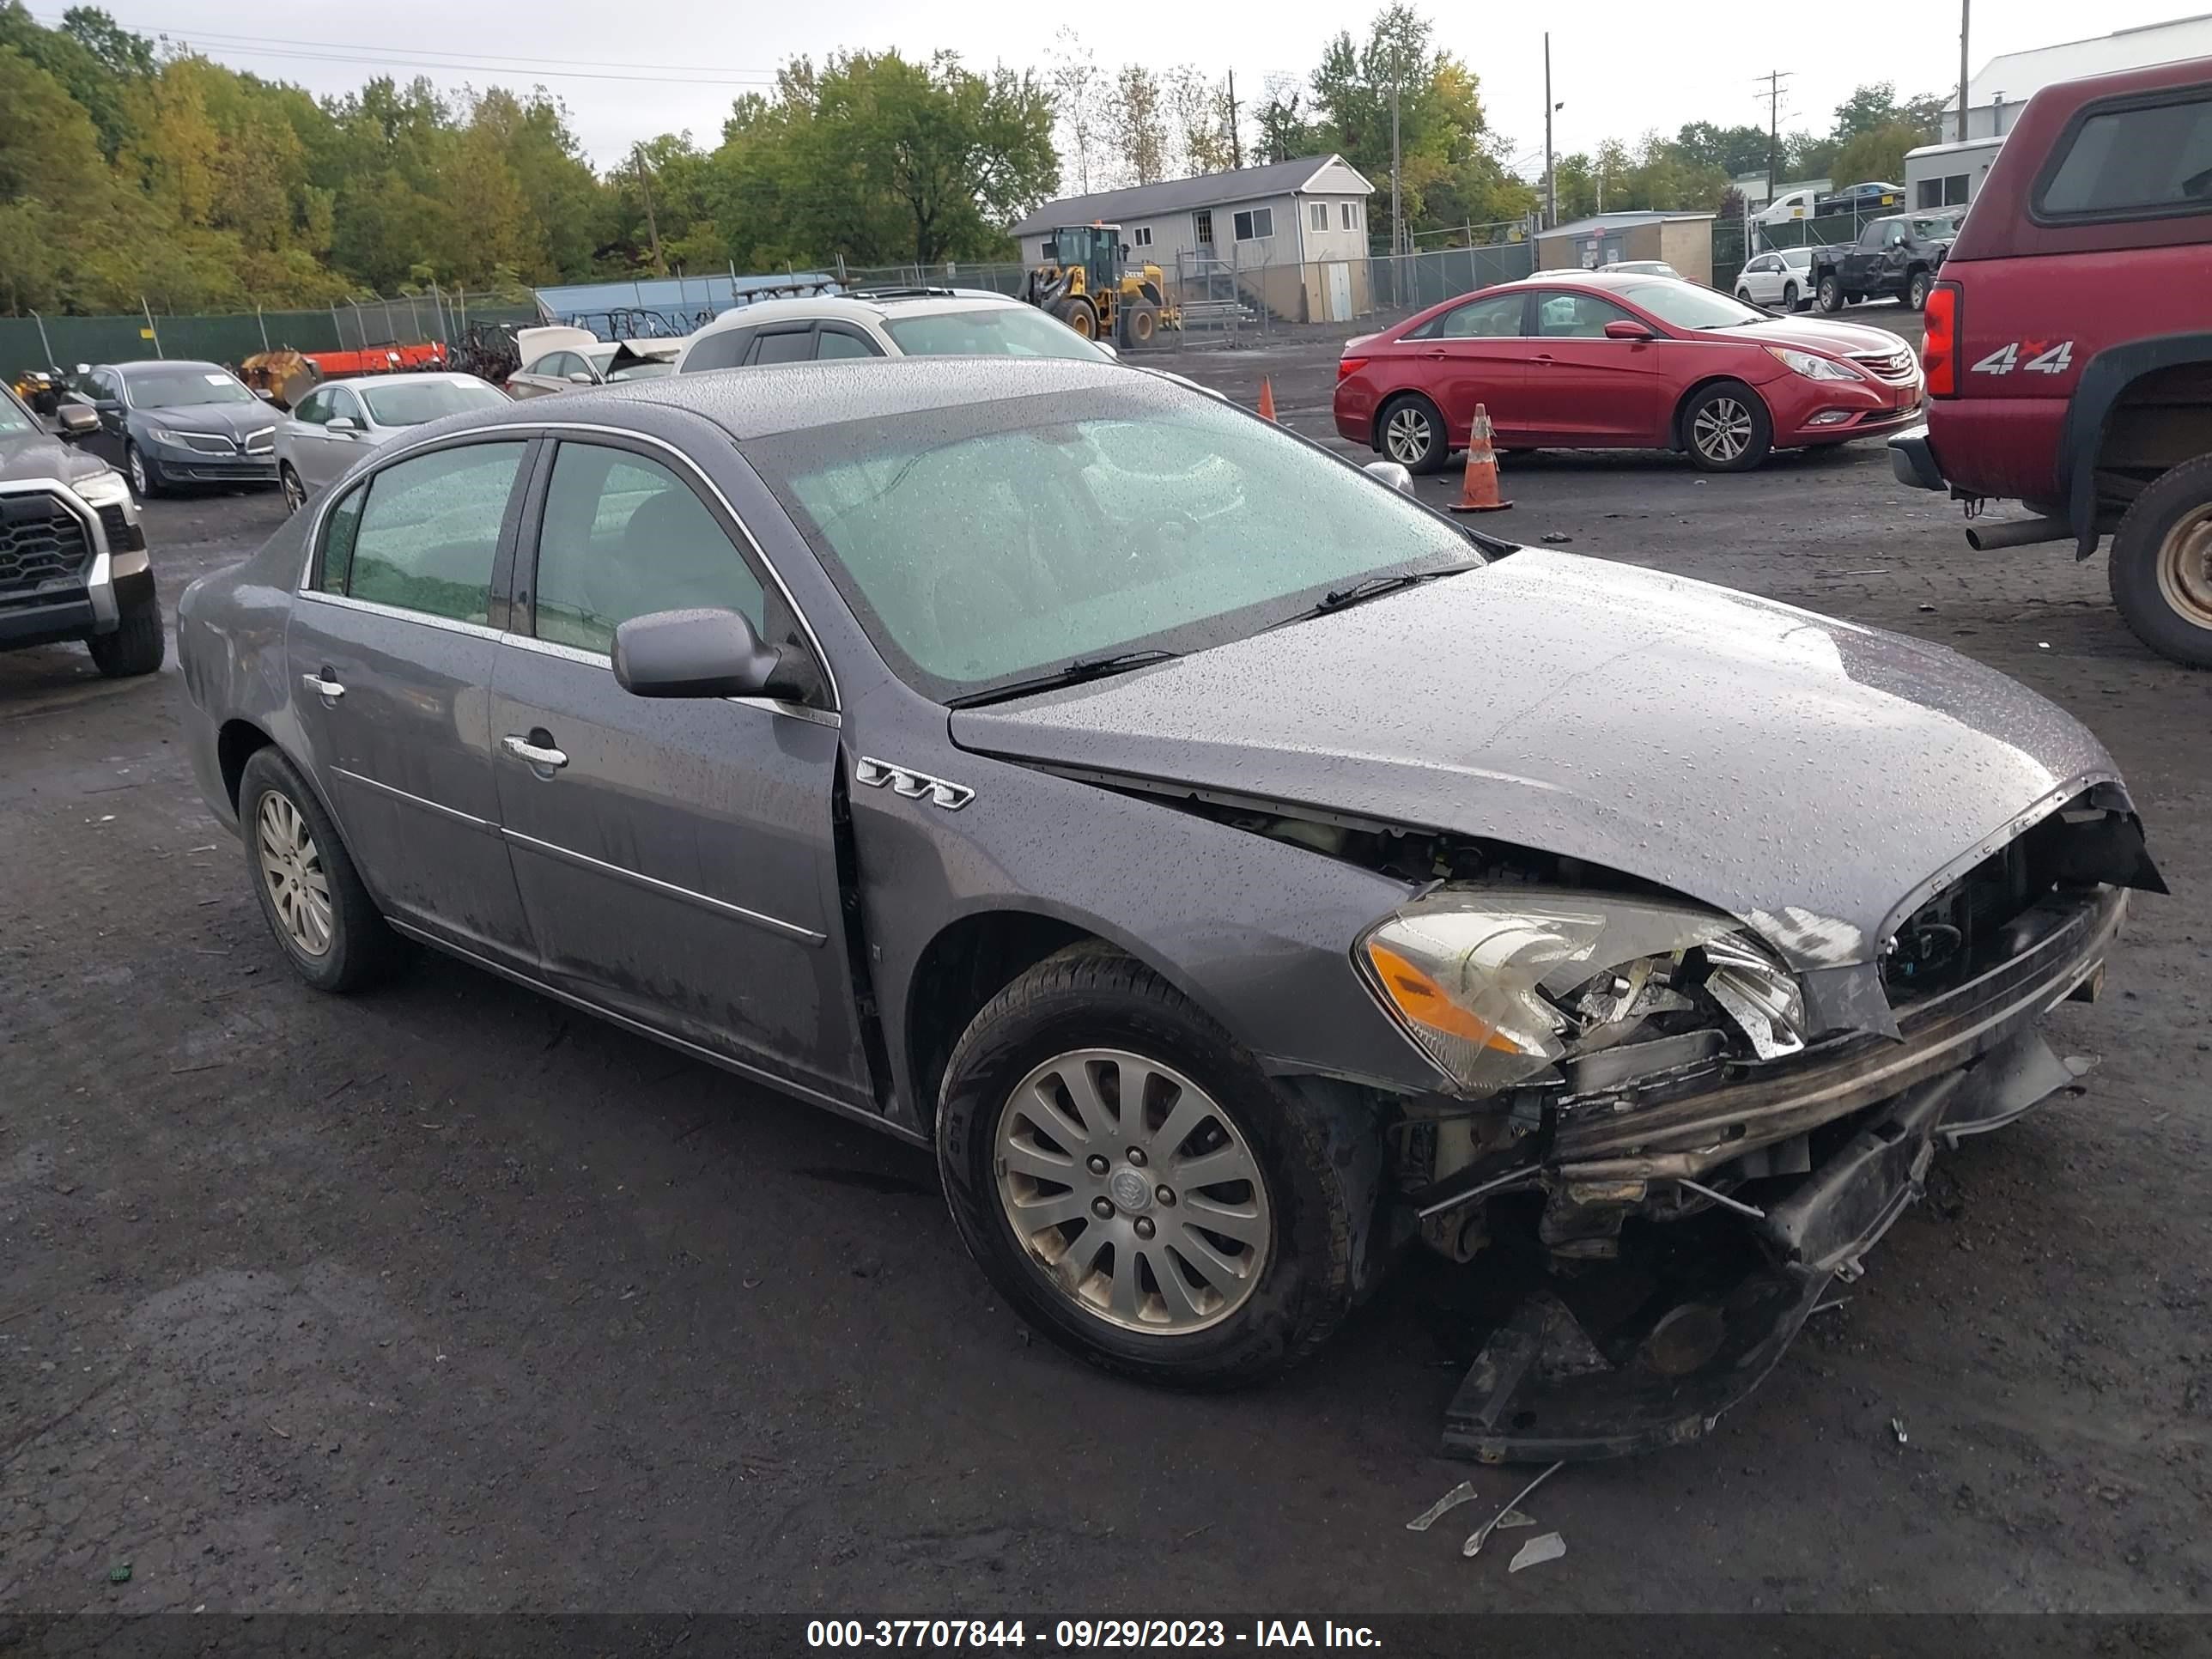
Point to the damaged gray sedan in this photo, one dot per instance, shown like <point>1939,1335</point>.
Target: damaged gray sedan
<point>1236,872</point>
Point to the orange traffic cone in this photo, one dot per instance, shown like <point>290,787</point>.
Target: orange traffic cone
<point>1267,400</point>
<point>1479,492</point>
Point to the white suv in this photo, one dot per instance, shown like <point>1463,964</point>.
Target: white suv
<point>935,322</point>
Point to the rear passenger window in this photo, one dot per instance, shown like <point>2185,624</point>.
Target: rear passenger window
<point>725,349</point>
<point>624,536</point>
<point>794,347</point>
<point>431,529</point>
<point>2133,163</point>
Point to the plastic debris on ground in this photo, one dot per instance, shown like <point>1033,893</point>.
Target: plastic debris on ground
<point>1481,1535</point>
<point>1537,1551</point>
<point>1896,1428</point>
<point>1462,1493</point>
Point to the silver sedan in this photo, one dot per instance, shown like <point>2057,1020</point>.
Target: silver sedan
<point>339,420</point>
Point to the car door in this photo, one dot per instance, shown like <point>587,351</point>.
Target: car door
<point>793,343</point>
<point>300,438</point>
<point>390,650</point>
<point>548,374</point>
<point>1584,388</point>
<point>675,857</point>
<point>1474,353</point>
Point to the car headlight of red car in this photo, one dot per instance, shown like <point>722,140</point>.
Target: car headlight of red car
<point>1812,368</point>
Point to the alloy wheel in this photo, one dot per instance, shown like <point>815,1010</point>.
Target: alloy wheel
<point>1133,1190</point>
<point>1407,434</point>
<point>2184,566</point>
<point>1721,430</point>
<point>138,479</point>
<point>295,493</point>
<point>292,866</point>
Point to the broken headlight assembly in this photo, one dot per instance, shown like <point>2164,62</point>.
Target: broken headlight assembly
<point>1586,991</point>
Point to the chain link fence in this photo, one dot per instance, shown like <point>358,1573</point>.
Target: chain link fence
<point>36,342</point>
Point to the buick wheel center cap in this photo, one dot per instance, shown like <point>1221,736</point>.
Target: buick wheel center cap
<point>1130,1190</point>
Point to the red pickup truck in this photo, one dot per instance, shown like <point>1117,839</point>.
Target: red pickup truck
<point>2069,352</point>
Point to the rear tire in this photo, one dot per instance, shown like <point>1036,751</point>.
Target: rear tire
<point>309,892</point>
<point>1916,291</point>
<point>2161,567</point>
<point>1790,296</point>
<point>1832,295</point>
<point>1071,1033</point>
<point>1410,431</point>
<point>137,646</point>
<point>1726,427</point>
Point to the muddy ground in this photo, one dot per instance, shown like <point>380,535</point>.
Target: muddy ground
<point>448,1298</point>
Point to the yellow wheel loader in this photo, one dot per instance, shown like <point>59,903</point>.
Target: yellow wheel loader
<point>1085,283</point>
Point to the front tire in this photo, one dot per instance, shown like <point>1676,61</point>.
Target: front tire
<point>145,476</point>
<point>1078,316</point>
<point>1726,427</point>
<point>1132,1183</point>
<point>2161,568</point>
<point>312,898</point>
<point>1832,295</point>
<point>137,645</point>
<point>1916,291</point>
<point>1411,432</point>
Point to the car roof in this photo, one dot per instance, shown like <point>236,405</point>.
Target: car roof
<point>855,308</point>
<point>770,399</point>
<point>1601,281</point>
<point>362,382</point>
<point>137,365</point>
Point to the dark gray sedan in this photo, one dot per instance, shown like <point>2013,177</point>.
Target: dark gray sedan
<point>1234,870</point>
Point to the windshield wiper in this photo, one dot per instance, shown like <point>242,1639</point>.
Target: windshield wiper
<point>1371,587</point>
<point>1072,673</point>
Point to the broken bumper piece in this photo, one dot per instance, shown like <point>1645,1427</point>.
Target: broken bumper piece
<point>1544,1389</point>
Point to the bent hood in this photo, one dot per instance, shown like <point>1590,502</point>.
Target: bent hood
<point>1807,776</point>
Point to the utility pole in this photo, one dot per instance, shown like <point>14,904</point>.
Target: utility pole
<point>1551,180</point>
<point>1774,78</point>
<point>1960,135</point>
<point>1397,221</point>
<point>1236,144</point>
<point>652,224</point>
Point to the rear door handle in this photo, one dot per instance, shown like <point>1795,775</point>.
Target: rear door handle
<point>323,685</point>
<point>535,753</point>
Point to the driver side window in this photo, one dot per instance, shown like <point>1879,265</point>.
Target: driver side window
<point>313,410</point>
<point>1577,316</point>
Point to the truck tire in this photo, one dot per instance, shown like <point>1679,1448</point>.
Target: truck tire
<point>1832,295</point>
<point>137,646</point>
<point>1139,323</point>
<point>2161,567</point>
<point>1078,316</point>
<point>1197,1234</point>
<point>1915,290</point>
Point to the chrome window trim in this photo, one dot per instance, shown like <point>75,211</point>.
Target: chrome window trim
<point>387,455</point>
<point>669,889</point>
<point>576,654</point>
<point>400,613</point>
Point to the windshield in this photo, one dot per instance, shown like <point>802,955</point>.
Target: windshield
<point>1797,257</point>
<point>1936,224</point>
<point>410,402</point>
<point>12,417</point>
<point>1008,331</point>
<point>993,542</point>
<point>1685,305</point>
<point>179,388</point>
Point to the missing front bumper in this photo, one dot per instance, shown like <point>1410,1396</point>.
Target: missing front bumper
<point>1544,1388</point>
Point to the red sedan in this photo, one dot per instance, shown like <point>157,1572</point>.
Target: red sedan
<point>1574,360</point>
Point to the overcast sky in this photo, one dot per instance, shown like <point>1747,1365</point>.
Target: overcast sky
<point>1620,68</point>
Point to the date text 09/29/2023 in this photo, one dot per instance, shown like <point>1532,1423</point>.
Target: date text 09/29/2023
<point>1082,1634</point>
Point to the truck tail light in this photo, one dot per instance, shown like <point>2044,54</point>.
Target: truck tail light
<point>1939,355</point>
<point>1348,367</point>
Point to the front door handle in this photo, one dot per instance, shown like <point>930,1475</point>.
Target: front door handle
<point>535,753</point>
<point>323,685</point>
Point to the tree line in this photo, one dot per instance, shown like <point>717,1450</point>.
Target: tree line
<point>133,168</point>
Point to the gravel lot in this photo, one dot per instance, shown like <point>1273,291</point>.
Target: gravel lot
<point>448,1298</point>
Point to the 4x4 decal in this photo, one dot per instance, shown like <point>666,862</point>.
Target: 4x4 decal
<point>2043,358</point>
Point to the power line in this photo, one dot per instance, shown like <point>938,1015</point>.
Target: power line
<point>431,58</point>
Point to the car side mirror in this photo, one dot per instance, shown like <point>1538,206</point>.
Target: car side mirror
<point>705,654</point>
<point>265,394</point>
<point>1391,473</point>
<point>579,377</point>
<point>74,422</point>
<point>341,423</point>
<point>1625,330</point>
<point>1113,353</point>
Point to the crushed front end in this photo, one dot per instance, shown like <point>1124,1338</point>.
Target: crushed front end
<point>1684,1141</point>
